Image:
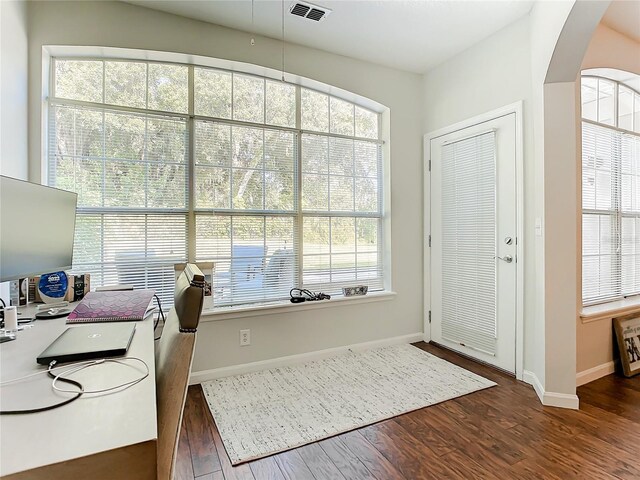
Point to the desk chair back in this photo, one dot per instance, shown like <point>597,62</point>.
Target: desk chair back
<point>174,354</point>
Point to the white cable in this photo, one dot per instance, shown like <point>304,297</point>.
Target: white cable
<point>78,367</point>
<point>13,380</point>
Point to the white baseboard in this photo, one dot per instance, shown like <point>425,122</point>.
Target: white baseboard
<point>205,375</point>
<point>532,379</point>
<point>561,400</point>
<point>550,399</point>
<point>595,373</point>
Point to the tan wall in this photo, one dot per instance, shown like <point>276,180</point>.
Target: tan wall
<point>608,49</point>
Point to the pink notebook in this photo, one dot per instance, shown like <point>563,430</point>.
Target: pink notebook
<point>123,305</point>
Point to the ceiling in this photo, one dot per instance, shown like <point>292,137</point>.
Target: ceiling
<point>624,17</point>
<point>411,35</point>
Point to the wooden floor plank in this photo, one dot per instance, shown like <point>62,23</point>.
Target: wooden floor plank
<point>211,476</point>
<point>184,467</point>
<point>465,467</point>
<point>371,458</point>
<point>424,432</point>
<point>293,467</point>
<point>319,462</point>
<point>344,459</point>
<point>266,469</point>
<point>414,459</point>
<point>501,432</point>
<point>196,417</point>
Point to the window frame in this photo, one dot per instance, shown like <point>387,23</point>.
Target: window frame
<point>191,211</point>
<point>616,211</point>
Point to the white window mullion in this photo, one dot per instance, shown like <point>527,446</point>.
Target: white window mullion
<point>191,162</point>
<point>299,222</point>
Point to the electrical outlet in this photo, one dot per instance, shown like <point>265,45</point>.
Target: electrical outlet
<point>245,338</point>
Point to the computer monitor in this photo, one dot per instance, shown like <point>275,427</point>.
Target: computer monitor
<point>37,226</point>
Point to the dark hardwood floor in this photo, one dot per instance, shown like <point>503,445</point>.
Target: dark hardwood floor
<point>502,432</point>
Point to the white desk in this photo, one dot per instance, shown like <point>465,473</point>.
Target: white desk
<point>97,436</point>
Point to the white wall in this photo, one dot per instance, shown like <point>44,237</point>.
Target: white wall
<point>546,22</point>
<point>13,89</point>
<point>561,32</point>
<point>127,26</point>
<point>493,73</point>
<point>533,60</point>
<point>13,96</point>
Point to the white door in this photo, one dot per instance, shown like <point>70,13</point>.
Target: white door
<point>473,241</point>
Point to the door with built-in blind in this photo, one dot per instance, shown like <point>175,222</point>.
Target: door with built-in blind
<point>473,241</point>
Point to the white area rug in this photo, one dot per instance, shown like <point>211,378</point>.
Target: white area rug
<point>263,413</point>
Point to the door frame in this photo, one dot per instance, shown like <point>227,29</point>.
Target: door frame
<point>515,108</point>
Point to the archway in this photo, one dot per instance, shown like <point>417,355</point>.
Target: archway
<point>557,147</point>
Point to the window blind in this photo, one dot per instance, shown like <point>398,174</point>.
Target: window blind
<point>245,210</point>
<point>341,203</point>
<point>136,249</point>
<point>630,214</point>
<point>611,212</point>
<point>469,242</point>
<point>130,173</point>
<point>225,168</point>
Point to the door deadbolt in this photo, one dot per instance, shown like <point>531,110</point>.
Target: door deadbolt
<point>508,240</point>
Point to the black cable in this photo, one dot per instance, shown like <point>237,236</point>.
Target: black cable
<point>50,407</point>
<point>308,294</point>
<point>4,305</point>
<point>155,325</point>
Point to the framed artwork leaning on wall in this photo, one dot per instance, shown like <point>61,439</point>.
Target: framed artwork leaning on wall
<point>627,331</point>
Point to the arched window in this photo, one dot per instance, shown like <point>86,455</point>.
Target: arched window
<point>610,185</point>
<point>278,185</point>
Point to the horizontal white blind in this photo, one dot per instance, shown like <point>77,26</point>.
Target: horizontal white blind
<point>469,242</point>
<point>254,256</point>
<point>601,154</point>
<point>342,204</point>
<point>630,215</point>
<point>610,190</point>
<point>342,251</point>
<point>136,249</point>
<point>611,213</point>
<point>244,168</point>
<point>130,173</point>
<point>249,173</point>
<point>601,268</point>
<point>272,207</point>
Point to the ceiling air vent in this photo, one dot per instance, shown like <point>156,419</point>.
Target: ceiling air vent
<point>310,11</point>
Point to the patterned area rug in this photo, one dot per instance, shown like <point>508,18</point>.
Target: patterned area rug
<point>262,413</point>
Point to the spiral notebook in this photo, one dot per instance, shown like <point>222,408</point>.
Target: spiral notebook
<point>115,306</point>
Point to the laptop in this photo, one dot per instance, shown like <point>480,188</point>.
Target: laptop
<point>98,340</point>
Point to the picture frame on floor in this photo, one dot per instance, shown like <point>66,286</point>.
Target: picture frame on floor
<point>627,332</point>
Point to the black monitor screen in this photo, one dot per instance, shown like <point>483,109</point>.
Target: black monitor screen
<point>37,226</point>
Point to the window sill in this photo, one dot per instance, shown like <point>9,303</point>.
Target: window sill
<point>288,307</point>
<point>607,311</point>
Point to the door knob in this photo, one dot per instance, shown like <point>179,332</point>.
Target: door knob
<point>506,258</point>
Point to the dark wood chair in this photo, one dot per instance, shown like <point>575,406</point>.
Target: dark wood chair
<point>174,354</point>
